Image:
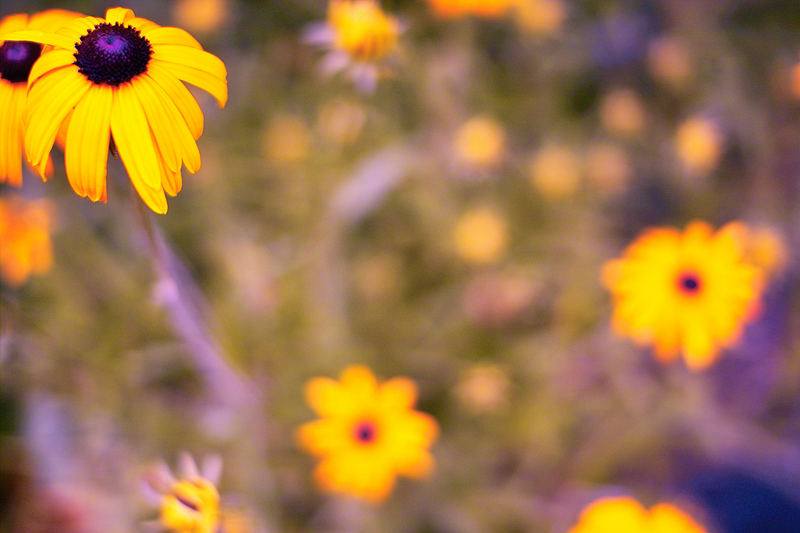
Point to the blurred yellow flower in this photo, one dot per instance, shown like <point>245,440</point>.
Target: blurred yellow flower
<point>699,143</point>
<point>480,141</point>
<point>478,8</point>
<point>608,167</point>
<point>481,236</point>
<point>483,388</point>
<point>686,293</point>
<point>626,515</point>
<point>202,16</point>
<point>25,246</point>
<point>540,17</point>
<point>341,121</point>
<point>555,171</point>
<point>16,60</point>
<point>622,113</point>
<point>368,434</point>
<point>286,139</point>
<point>767,249</point>
<point>120,76</point>
<point>670,61</point>
<point>494,299</point>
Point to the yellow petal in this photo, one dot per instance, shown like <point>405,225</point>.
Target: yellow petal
<point>13,23</point>
<point>326,397</point>
<point>217,87</point>
<point>397,393</point>
<point>191,57</point>
<point>41,37</point>
<point>180,96</point>
<point>162,35</point>
<point>49,61</point>
<point>118,15</point>
<point>86,153</point>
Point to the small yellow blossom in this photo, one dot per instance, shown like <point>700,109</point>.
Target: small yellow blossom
<point>626,515</point>
<point>555,171</point>
<point>608,167</point>
<point>481,236</point>
<point>480,141</point>
<point>478,8</point>
<point>622,113</point>
<point>202,16</point>
<point>540,17</point>
<point>483,388</point>
<point>699,144</point>
<point>286,139</point>
<point>25,247</point>
<point>368,433</point>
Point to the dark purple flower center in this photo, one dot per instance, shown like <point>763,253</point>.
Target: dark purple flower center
<point>689,283</point>
<point>366,432</point>
<point>16,60</point>
<point>112,54</point>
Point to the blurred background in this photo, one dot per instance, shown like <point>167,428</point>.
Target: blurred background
<point>451,227</point>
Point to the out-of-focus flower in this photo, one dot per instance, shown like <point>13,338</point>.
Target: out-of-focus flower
<point>478,8</point>
<point>119,76</point>
<point>341,121</point>
<point>540,17</point>
<point>555,171</point>
<point>495,299</point>
<point>189,503</point>
<point>25,246</point>
<point>286,139</point>
<point>483,388</point>
<point>359,35</point>
<point>626,515</point>
<point>608,167</point>
<point>368,434</point>
<point>767,249</point>
<point>377,277</point>
<point>670,61</point>
<point>686,293</point>
<point>481,236</point>
<point>16,60</point>
<point>480,142</point>
<point>699,143</point>
<point>201,16</point>
<point>235,521</point>
<point>622,113</point>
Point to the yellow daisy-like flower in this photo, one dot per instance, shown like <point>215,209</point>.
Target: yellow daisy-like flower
<point>368,434</point>
<point>190,502</point>
<point>120,77</point>
<point>478,8</point>
<point>626,515</point>
<point>16,60</point>
<point>359,35</point>
<point>25,246</point>
<point>687,292</point>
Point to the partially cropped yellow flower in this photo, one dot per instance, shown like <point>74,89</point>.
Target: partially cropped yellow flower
<point>188,503</point>
<point>622,113</point>
<point>25,246</point>
<point>202,16</point>
<point>699,143</point>
<point>16,60</point>
<point>684,292</point>
<point>481,236</point>
<point>608,167</point>
<point>555,171</point>
<point>120,77</point>
<point>368,433</point>
<point>286,139</point>
<point>478,8</point>
<point>540,17</point>
<point>359,34</point>
<point>626,515</point>
<point>480,141</point>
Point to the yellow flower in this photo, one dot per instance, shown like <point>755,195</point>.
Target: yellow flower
<point>483,388</point>
<point>699,144</point>
<point>687,292</point>
<point>626,515</point>
<point>478,8</point>
<point>202,16</point>
<point>622,113</point>
<point>359,34</point>
<point>480,141</point>
<point>120,76</point>
<point>368,434</point>
<point>555,171</point>
<point>16,60</point>
<point>189,503</point>
<point>481,236</point>
<point>540,17</point>
<point>25,246</point>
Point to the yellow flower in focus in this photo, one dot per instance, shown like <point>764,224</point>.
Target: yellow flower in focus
<point>368,433</point>
<point>699,142</point>
<point>120,76</point>
<point>480,141</point>
<point>478,8</point>
<point>555,171</point>
<point>540,17</point>
<point>626,515</point>
<point>25,246</point>
<point>622,113</point>
<point>286,139</point>
<point>202,16</point>
<point>483,388</point>
<point>481,236</point>
<point>608,167</point>
<point>686,293</point>
<point>16,60</point>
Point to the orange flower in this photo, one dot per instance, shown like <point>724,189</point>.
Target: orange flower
<point>25,246</point>
<point>478,8</point>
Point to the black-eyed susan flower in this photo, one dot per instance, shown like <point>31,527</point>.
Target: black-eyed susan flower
<point>190,502</point>
<point>16,60</point>
<point>368,434</point>
<point>478,8</point>
<point>684,292</point>
<point>359,35</point>
<point>120,77</point>
<point>25,246</point>
<point>626,515</point>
